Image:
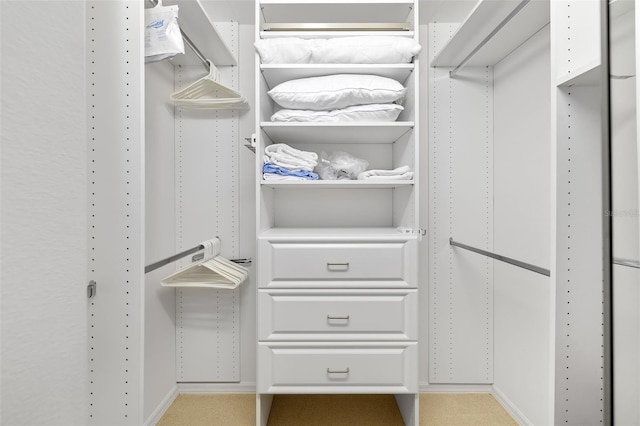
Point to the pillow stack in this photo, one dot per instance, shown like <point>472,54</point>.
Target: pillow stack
<point>339,97</point>
<point>339,50</point>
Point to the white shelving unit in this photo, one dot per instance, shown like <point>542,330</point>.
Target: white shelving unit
<point>330,240</point>
<point>496,45</point>
<point>276,74</point>
<point>320,184</point>
<point>335,11</point>
<point>581,230</point>
<point>336,133</point>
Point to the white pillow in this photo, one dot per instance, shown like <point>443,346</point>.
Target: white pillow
<point>339,50</point>
<point>336,91</point>
<point>284,50</point>
<point>365,50</point>
<point>373,112</point>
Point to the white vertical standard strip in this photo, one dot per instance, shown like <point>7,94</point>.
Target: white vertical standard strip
<point>580,278</point>
<point>579,247</point>
<point>461,206</point>
<point>115,113</point>
<point>207,320</point>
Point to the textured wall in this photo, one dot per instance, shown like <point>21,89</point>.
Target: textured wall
<point>43,305</point>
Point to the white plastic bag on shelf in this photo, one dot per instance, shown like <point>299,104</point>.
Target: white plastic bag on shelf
<point>340,165</point>
<point>162,37</point>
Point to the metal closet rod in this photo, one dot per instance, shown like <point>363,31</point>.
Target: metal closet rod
<point>627,262</point>
<point>189,43</point>
<point>495,31</point>
<point>180,255</point>
<point>524,265</point>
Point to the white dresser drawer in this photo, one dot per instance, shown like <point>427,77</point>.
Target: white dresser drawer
<point>338,315</point>
<point>338,368</point>
<point>384,264</point>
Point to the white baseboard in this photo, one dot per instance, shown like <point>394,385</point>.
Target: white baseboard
<point>510,408</point>
<point>166,402</point>
<point>460,388</point>
<point>247,387</point>
<point>162,407</point>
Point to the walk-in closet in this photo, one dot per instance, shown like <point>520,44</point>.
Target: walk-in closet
<point>299,202</point>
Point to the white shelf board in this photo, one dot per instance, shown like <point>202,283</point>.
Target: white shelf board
<point>334,2</point>
<point>276,74</point>
<point>336,184</point>
<point>340,11</point>
<point>336,234</point>
<point>587,75</point>
<point>482,20</point>
<point>333,34</point>
<point>365,132</point>
<point>195,23</point>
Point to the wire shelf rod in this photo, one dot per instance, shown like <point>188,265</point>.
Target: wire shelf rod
<point>501,258</point>
<point>178,256</point>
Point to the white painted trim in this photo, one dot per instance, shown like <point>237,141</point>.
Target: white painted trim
<point>454,388</point>
<point>164,405</point>
<point>510,408</point>
<point>248,387</point>
<point>182,388</point>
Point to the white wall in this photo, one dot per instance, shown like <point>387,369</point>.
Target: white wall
<point>523,299</point>
<point>160,305</point>
<point>44,214</point>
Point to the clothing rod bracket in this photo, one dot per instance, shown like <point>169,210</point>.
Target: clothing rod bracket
<point>91,289</point>
<point>185,253</point>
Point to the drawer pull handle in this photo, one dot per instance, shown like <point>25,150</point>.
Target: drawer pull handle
<point>338,267</point>
<point>345,318</point>
<point>330,371</point>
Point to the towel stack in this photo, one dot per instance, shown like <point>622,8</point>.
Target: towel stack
<point>282,162</point>
<point>401,173</point>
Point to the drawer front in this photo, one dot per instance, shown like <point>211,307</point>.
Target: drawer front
<point>384,264</point>
<point>370,367</point>
<point>338,314</point>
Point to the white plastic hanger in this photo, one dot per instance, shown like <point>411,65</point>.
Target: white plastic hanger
<point>214,271</point>
<point>199,94</point>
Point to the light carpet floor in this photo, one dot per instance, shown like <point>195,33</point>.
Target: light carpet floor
<point>436,409</point>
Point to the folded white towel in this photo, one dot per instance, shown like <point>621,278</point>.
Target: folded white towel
<point>404,176</point>
<point>290,158</point>
<point>289,163</point>
<point>288,150</point>
<point>401,173</point>
<point>276,177</point>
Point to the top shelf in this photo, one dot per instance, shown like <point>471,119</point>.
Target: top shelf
<point>331,34</point>
<point>195,23</point>
<point>336,234</point>
<point>482,21</point>
<point>336,11</point>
